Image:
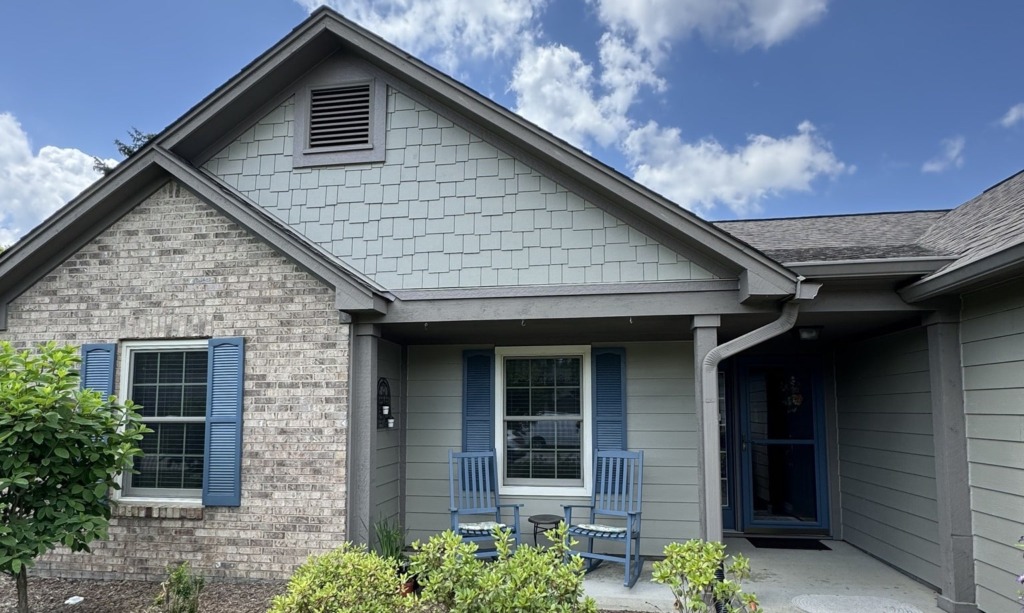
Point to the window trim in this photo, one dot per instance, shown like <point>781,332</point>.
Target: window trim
<point>586,402</point>
<point>125,351</point>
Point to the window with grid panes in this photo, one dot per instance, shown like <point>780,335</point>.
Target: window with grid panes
<point>543,420</point>
<point>170,385</point>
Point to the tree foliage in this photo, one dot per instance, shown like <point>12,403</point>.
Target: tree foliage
<point>138,140</point>
<point>61,449</point>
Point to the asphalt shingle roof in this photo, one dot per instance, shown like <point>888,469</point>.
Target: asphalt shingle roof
<point>839,237</point>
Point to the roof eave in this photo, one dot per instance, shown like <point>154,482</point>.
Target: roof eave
<point>870,267</point>
<point>998,266</point>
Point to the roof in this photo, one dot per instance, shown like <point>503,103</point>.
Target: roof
<point>986,233</point>
<point>840,237</point>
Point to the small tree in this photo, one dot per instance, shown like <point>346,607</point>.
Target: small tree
<point>61,450</point>
<point>138,138</point>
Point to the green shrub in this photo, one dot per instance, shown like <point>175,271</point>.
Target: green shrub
<point>529,580</point>
<point>180,592</point>
<point>347,580</point>
<point>689,571</point>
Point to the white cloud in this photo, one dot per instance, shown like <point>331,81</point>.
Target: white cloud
<point>591,104</point>
<point>699,175</point>
<point>656,24</point>
<point>1013,116</point>
<point>952,156</point>
<point>445,30</point>
<point>554,88</point>
<point>33,186</point>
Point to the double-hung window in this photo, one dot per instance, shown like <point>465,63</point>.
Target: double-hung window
<point>543,419</point>
<point>169,381</point>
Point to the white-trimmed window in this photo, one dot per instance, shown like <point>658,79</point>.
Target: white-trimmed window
<point>168,379</point>
<point>543,419</point>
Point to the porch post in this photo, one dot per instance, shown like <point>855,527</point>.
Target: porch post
<point>362,431</point>
<point>953,496</point>
<point>705,338</point>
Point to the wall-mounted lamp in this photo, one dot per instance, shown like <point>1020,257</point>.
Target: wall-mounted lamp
<point>385,418</point>
<point>809,333</point>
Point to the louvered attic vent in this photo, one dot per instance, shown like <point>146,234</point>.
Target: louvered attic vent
<point>339,117</point>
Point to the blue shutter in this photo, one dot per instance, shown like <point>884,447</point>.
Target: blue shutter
<point>97,371</point>
<point>222,474</point>
<point>609,366</point>
<point>478,400</point>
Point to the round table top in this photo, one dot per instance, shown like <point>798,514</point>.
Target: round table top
<point>544,519</point>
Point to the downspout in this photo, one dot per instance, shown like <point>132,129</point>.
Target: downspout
<point>709,380</point>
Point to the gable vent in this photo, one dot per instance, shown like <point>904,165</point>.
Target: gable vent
<point>339,117</point>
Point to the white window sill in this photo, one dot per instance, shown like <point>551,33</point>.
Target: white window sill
<point>539,491</point>
<point>157,508</point>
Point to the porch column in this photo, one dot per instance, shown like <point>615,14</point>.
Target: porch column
<point>362,431</point>
<point>705,338</point>
<point>953,495</point>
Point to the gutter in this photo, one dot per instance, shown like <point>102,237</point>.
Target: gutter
<point>805,291</point>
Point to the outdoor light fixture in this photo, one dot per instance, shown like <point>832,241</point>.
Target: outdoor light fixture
<point>809,333</point>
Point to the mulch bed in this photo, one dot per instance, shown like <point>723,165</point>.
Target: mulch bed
<point>48,596</point>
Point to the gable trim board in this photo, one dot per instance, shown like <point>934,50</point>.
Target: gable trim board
<point>100,206</point>
<point>190,136</point>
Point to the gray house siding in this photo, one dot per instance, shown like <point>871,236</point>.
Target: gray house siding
<point>992,337</point>
<point>446,209</point>
<point>661,421</point>
<point>886,452</point>
<point>388,492</point>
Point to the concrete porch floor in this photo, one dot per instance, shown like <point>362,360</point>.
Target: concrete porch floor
<point>778,576</point>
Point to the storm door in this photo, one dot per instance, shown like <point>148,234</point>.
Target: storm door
<point>783,482</point>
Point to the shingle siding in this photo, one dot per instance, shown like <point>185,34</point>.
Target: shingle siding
<point>445,209</point>
<point>175,268</point>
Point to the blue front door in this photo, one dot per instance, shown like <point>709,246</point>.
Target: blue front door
<point>782,453</point>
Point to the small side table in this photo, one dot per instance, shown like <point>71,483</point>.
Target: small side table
<point>546,522</point>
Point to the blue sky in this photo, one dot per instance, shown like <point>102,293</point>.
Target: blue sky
<point>734,108</point>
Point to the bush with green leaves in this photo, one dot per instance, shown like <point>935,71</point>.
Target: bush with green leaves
<point>180,592</point>
<point>689,570</point>
<point>349,579</point>
<point>61,450</point>
<point>528,580</point>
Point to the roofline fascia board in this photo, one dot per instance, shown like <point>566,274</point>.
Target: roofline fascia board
<point>350,295</point>
<point>593,289</point>
<point>1008,262</point>
<point>699,234</point>
<point>517,308</point>
<point>874,267</point>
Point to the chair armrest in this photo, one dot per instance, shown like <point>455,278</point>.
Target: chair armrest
<point>510,505</point>
<point>577,506</point>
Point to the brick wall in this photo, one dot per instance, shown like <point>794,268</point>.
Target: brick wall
<point>446,209</point>
<point>175,268</point>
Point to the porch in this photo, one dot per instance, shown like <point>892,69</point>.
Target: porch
<point>858,581</point>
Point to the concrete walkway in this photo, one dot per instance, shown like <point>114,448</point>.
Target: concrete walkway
<point>836,581</point>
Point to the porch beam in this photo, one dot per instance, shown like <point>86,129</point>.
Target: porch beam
<point>705,338</point>
<point>362,432</point>
<point>953,494</point>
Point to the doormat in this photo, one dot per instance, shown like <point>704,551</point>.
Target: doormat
<point>787,543</point>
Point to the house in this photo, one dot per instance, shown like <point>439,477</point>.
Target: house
<point>343,263</point>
